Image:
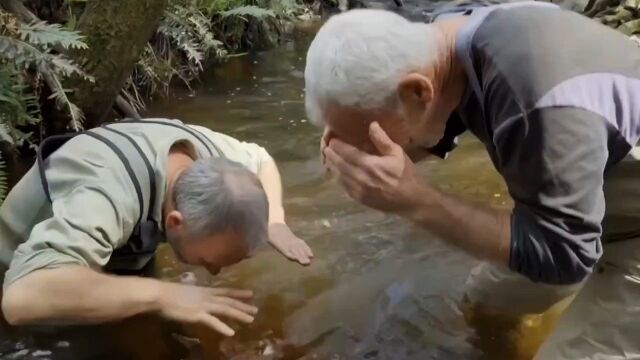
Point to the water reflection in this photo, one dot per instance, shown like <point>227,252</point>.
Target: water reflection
<point>378,288</point>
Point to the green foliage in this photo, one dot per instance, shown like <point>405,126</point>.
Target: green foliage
<point>18,107</point>
<point>4,187</point>
<point>29,48</point>
<point>188,29</point>
<point>249,10</point>
<point>212,7</point>
<point>47,35</point>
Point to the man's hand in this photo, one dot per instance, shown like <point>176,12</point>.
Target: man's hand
<point>194,304</point>
<point>324,142</point>
<point>287,243</point>
<point>387,182</point>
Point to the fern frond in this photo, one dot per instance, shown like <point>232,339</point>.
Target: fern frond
<point>4,184</point>
<point>5,132</point>
<point>67,67</point>
<point>249,10</point>
<point>47,35</point>
<point>62,101</point>
<point>23,54</point>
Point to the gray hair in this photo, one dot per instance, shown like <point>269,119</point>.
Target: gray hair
<point>358,58</point>
<point>216,194</point>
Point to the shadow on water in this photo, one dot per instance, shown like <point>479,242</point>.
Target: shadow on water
<point>378,287</point>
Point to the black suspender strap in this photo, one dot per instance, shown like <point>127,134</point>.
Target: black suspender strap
<point>47,147</point>
<point>127,166</point>
<point>152,177</point>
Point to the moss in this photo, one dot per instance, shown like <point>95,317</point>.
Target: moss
<point>116,32</point>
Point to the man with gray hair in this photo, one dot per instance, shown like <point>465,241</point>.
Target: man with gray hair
<point>559,118</point>
<point>97,204</point>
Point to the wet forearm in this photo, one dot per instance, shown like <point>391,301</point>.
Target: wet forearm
<point>483,232</point>
<point>270,178</point>
<point>77,295</point>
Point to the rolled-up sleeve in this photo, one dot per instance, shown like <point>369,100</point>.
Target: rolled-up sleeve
<point>251,155</point>
<point>553,161</point>
<point>84,230</point>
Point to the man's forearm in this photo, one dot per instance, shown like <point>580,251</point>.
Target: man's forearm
<point>481,231</point>
<point>270,178</point>
<point>75,294</point>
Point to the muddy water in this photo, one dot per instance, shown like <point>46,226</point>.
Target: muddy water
<point>378,287</point>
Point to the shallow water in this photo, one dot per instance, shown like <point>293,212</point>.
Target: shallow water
<point>378,288</point>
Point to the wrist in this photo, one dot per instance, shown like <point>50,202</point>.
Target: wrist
<point>151,295</point>
<point>421,202</point>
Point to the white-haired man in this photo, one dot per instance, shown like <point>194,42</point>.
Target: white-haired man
<point>557,115</point>
<point>97,203</point>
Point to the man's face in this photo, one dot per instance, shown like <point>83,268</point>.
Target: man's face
<point>352,126</point>
<point>212,252</point>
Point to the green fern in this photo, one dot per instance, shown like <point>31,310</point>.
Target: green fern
<point>28,47</point>
<point>249,10</point>
<point>47,35</point>
<point>4,186</point>
<point>18,108</point>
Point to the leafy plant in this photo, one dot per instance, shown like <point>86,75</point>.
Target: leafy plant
<point>29,47</point>
<point>4,187</point>
<point>18,107</point>
<point>249,10</point>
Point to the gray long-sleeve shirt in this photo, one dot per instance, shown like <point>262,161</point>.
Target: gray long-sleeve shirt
<point>555,98</point>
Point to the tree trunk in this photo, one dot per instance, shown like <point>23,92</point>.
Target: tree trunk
<point>117,32</point>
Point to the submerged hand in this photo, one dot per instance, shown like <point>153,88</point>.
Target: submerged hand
<point>195,304</point>
<point>387,182</point>
<point>287,243</point>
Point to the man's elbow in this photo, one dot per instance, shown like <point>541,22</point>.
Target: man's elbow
<point>15,305</point>
<point>554,266</point>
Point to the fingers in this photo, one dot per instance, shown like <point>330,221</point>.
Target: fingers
<point>381,140</point>
<point>301,256</point>
<point>339,166</point>
<point>347,152</point>
<point>295,253</point>
<point>229,312</point>
<point>307,250</point>
<point>217,325</point>
<point>233,293</point>
<point>244,307</point>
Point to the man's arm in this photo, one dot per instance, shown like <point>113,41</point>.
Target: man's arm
<point>481,231</point>
<point>390,183</point>
<point>79,295</point>
<point>257,159</point>
<point>280,236</point>
<point>553,233</point>
<point>51,276</point>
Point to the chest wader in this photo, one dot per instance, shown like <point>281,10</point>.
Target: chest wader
<point>137,253</point>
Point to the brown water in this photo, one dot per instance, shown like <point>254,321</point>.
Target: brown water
<point>378,287</point>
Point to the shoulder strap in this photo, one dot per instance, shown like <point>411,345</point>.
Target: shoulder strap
<point>136,164</point>
<point>46,148</point>
<point>203,139</point>
<point>150,173</point>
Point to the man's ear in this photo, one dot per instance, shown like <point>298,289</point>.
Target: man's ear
<point>174,220</point>
<point>415,89</point>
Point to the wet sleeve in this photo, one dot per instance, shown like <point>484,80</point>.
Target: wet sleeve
<point>553,161</point>
<point>251,155</point>
<point>84,230</point>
